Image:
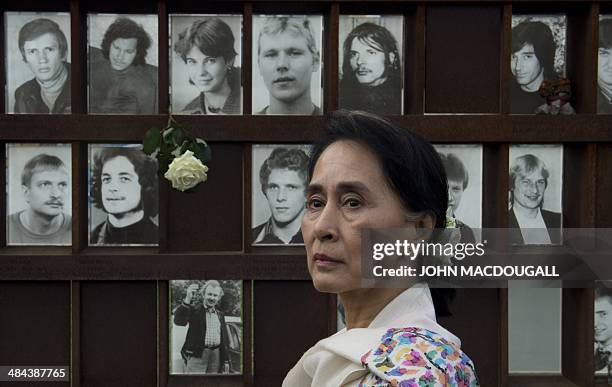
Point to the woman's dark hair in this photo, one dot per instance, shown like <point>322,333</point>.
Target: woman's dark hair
<point>213,37</point>
<point>145,167</point>
<point>125,28</point>
<point>411,166</point>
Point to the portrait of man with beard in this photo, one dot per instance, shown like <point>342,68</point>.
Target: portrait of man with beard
<point>371,72</point>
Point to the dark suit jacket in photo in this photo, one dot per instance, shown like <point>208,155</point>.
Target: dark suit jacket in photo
<point>195,316</point>
<point>552,220</point>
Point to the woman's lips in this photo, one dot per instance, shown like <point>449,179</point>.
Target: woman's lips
<point>322,260</point>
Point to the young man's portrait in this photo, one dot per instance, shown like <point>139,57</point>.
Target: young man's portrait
<point>287,65</point>
<point>206,327</point>
<point>206,76</point>
<point>371,63</point>
<point>538,54</point>
<point>279,181</point>
<point>463,166</point>
<point>122,58</point>
<point>39,205</point>
<point>604,66</point>
<point>535,186</point>
<point>37,63</point>
<point>123,196</point>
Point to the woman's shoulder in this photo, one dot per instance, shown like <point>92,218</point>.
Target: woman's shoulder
<point>416,356</point>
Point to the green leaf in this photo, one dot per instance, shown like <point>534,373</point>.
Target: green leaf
<point>165,147</point>
<point>164,162</point>
<point>151,141</point>
<point>178,136</point>
<point>202,151</point>
<point>187,145</point>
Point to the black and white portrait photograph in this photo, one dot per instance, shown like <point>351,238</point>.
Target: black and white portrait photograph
<point>123,196</point>
<point>371,61</point>
<point>205,327</point>
<point>535,193</point>
<point>279,179</point>
<point>340,315</point>
<point>123,60</point>
<point>287,65</point>
<point>463,165</point>
<point>37,59</point>
<point>603,330</point>
<point>39,200</point>
<point>538,54</point>
<point>205,59</point>
<point>604,65</point>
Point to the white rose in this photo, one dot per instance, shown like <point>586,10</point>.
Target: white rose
<point>186,172</point>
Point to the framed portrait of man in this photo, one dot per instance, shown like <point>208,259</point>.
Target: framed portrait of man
<point>463,165</point>
<point>535,186</point>
<point>603,329</point>
<point>39,194</point>
<point>123,196</point>
<point>122,64</point>
<point>37,59</point>
<point>205,60</point>
<point>206,327</point>
<point>604,65</point>
<point>538,54</point>
<point>287,65</point>
<point>278,193</point>
<point>370,60</point>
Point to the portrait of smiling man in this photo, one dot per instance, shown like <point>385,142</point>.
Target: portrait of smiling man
<point>287,58</point>
<point>532,60</point>
<point>371,68</point>
<point>282,178</point>
<point>529,182</point>
<point>43,48</point>
<point>206,346</point>
<point>42,187</point>
<point>124,188</point>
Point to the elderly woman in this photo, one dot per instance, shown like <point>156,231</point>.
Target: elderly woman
<point>367,173</point>
<point>207,48</point>
<point>124,186</point>
<point>120,80</point>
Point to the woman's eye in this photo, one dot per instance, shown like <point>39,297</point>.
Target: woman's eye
<point>352,203</point>
<point>314,204</point>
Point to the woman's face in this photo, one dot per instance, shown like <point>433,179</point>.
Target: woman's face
<point>121,191</point>
<point>122,53</point>
<point>348,192</point>
<point>206,72</point>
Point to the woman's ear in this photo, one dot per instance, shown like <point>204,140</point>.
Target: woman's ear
<point>421,220</point>
<point>426,221</point>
